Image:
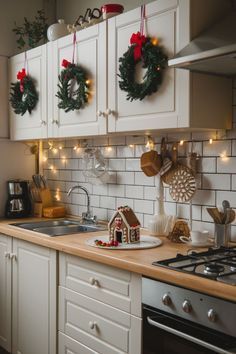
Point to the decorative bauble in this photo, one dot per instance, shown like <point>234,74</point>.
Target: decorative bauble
<point>57,30</point>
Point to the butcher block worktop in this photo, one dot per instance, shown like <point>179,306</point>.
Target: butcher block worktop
<point>138,261</point>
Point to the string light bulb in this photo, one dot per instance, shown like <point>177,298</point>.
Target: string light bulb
<point>181,143</point>
<point>210,141</point>
<point>150,143</point>
<point>50,145</point>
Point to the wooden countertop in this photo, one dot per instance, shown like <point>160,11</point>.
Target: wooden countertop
<point>138,261</point>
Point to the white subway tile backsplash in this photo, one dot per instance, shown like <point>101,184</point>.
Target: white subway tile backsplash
<point>134,192</point>
<point>125,177</point>
<point>216,181</point>
<point>142,179</point>
<point>226,165</point>
<point>125,151</point>
<point>217,148</point>
<point>107,202</point>
<point>133,165</point>
<point>117,164</point>
<point>143,206</point>
<point>128,185</point>
<point>207,165</point>
<point>116,190</point>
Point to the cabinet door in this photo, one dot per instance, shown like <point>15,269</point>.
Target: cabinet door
<point>34,299</point>
<point>90,53</point>
<point>160,109</point>
<point>5,292</point>
<point>67,345</point>
<point>34,125</point>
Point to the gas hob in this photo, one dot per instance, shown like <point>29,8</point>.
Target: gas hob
<point>217,264</point>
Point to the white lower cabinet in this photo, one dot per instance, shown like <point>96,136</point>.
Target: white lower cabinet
<point>99,308</point>
<point>28,303</point>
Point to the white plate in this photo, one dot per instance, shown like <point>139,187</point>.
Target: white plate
<point>209,243</point>
<point>145,242</point>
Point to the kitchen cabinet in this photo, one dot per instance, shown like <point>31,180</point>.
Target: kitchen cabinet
<point>181,100</point>
<point>99,308</point>
<point>4,128</point>
<point>90,53</point>
<point>28,299</point>
<point>34,125</point>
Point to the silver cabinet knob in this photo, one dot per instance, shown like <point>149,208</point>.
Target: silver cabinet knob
<point>43,122</point>
<point>109,111</point>
<point>166,300</point>
<point>186,306</point>
<point>92,324</point>
<point>212,315</point>
<point>100,113</point>
<point>93,281</point>
<point>7,254</point>
<point>13,256</point>
<point>55,121</point>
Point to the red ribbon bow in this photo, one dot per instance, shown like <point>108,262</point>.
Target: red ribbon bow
<point>65,63</point>
<point>20,76</point>
<point>138,40</point>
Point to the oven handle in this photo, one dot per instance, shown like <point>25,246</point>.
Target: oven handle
<point>187,336</point>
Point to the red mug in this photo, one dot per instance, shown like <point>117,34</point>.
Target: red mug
<point>109,10</point>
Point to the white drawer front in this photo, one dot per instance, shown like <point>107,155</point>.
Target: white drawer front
<point>116,287</point>
<point>67,345</point>
<point>97,325</point>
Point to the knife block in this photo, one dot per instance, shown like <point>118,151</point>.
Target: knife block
<point>44,201</point>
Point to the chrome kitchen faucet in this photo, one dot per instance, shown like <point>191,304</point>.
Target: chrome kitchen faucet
<point>87,216</point>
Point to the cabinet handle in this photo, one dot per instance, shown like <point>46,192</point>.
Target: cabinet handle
<point>93,281</point>
<point>55,121</point>
<point>100,113</point>
<point>92,324</point>
<point>13,256</point>
<point>43,122</point>
<point>7,254</point>
<point>109,111</point>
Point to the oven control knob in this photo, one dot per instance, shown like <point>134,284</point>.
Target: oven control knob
<point>166,300</point>
<point>186,306</point>
<point>212,315</point>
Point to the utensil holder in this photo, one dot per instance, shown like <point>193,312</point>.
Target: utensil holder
<point>222,235</point>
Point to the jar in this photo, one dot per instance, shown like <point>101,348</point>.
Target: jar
<point>110,10</point>
<point>57,30</point>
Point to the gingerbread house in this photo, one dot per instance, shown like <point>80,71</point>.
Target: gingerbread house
<point>124,226</point>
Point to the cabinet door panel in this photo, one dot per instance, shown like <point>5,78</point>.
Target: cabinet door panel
<point>91,55</point>
<point>34,299</point>
<point>67,345</point>
<point>34,125</point>
<point>160,109</point>
<point>5,292</point>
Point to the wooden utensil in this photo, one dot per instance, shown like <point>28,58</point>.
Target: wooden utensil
<point>215,214</point>
<point>151,163</point>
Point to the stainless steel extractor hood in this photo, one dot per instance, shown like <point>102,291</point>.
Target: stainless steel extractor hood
<point>214,51</point>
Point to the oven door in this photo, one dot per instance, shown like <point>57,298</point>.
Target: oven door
<point>167,334</point>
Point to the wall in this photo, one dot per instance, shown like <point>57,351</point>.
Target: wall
<point>216,177</point>
<point>14,11</point>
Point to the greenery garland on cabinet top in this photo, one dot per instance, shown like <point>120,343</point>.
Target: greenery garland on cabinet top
<point>23,95</point>
<point>147,51</point>
<point>70,99</point>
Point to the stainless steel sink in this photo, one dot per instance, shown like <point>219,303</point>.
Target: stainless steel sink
<point>59,227</point>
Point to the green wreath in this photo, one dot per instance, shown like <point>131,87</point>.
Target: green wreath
<point>145,50</point>
<point>72,100</point>
<point>23,95</point>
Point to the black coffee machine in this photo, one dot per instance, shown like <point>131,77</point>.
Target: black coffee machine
<point>18,203</point>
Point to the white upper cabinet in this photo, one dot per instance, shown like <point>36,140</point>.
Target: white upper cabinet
<point>180,101</point>
<point>90,54</point>
<point>34,125</point>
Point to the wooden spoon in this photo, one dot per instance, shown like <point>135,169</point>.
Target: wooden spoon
<point>215,214</point>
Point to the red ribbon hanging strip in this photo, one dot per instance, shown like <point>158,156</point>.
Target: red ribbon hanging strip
<point>65,63</point>
<point>21,75</point>
<point>138,39</point>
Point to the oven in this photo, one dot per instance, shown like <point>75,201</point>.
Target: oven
<point>182,321</point>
